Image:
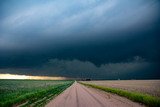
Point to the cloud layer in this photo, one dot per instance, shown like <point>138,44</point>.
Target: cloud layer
<point>33,23</point>
<point>138,68</point>
<point>80,38</point>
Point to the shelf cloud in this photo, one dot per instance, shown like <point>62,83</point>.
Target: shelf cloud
<point>80,38</point>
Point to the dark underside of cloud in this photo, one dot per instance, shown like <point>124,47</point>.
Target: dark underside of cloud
<point>136,69</point>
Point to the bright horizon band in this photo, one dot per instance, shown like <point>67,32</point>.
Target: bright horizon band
<point>15,76</point>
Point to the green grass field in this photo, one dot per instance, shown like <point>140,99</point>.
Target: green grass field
<point>146,99</point>
<point>30,92</point>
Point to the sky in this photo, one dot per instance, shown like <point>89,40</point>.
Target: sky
<point>99,39</point>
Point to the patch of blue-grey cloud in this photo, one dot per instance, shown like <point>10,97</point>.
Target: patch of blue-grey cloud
<point>24,24</point>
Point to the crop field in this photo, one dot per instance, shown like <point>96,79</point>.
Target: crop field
<point>136,96</point>
<point>151,87</point>
<point>30,92</point>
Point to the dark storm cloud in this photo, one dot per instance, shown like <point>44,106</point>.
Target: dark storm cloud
<point>28,24</point>
<point>93,32</point>
<point>79,69</point>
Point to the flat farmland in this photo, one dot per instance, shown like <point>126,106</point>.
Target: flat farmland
<point>151,87</point>
<point>30,92</point>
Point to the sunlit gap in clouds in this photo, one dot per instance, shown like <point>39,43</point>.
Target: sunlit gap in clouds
<point>15,76</point>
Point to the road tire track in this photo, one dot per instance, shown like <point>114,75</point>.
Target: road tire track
<point>77,98</point>
<point>102,105</point>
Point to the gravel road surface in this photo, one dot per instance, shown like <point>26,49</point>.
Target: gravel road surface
<point>81,96</point>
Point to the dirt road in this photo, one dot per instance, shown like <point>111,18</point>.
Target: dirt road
<point>80,96</point>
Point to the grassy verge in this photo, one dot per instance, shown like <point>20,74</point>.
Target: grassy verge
<point>36,98</point>
<point>146,99</point>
